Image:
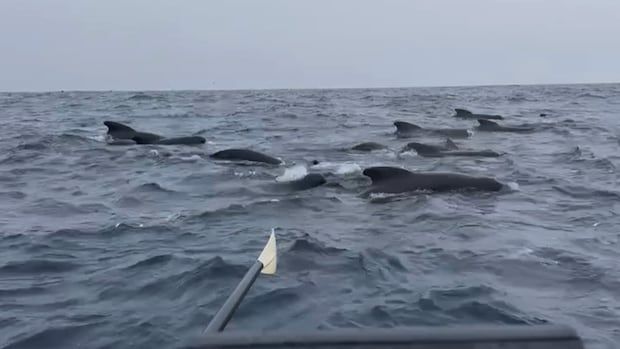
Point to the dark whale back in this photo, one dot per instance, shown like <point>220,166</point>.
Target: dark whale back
<point>183,140</point>
<point>384,173</point>
<point>403,126</point>
<point>245,154</point>
<point>368,146</point>
<point>405,129</point>
<point>424,148</point>
<point>487,125</point>
<point>120,132</point>
<point>398,180</point>
<point>466,114</point>
<point>309,181</point>
<point>146,138</point>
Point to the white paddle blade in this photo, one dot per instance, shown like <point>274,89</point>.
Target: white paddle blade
<point>269,256</point>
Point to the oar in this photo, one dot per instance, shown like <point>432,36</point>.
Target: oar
<point>265,264</point>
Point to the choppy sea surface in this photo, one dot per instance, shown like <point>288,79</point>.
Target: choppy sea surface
<point>137,246</point>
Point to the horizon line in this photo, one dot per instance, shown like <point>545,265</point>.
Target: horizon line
<point>313,88</point>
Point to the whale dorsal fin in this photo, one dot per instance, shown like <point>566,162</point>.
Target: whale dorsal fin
<point>117,127</point>
<point>450,145</point>
<point>382,173</point>
<point>462,112</point>
<point>484,122</point>
<point>406,126</point>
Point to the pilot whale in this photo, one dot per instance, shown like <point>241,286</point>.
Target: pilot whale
<point>245,155</point>
<point>309,181</point>
<point>448,145</point>
<point>490,126</point>
<point>368,146</point>
<point>466,114</point>
<point>428,150</point>
<point>407,129</point>
<point>124,135</point>
<point>392,180</point>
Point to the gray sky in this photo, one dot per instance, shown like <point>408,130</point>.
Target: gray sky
<point>235,44</point>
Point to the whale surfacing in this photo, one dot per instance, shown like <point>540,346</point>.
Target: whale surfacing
<point>407,129</point>
<point>466,114</point>
<point>368,146</point>
<point>245,155</point>
<point>427,150</point>
<point>392,180</point>
<point>491,126</point>
<point>309,181</point>
<point>124,135</point>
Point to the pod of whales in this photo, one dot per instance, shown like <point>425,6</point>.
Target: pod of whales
<point>466,114</point>
<point>392,180</point>
<point>385,179</point>
<point>124,135</point>
<point>491,126</point>
<point>245,155</point>
<point>427,150</point>
<point>407,129</point>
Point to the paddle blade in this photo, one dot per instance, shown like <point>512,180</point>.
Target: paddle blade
<point>269,256</point>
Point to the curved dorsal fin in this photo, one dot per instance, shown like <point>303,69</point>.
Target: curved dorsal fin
<point>450,145</point>
<point>114,126</point>
<point>382,173</point>
<point>462,112</point>
<point>406,126</point>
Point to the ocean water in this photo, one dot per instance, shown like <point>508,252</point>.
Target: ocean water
<point>137,246</point>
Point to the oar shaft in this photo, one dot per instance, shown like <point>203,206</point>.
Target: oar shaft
<point>222,317</point>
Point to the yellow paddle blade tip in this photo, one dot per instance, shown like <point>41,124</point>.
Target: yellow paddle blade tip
<point>269,256</point>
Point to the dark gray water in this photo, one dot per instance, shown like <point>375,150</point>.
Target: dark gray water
<point>137,247</point>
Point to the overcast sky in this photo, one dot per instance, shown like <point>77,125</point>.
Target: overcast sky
<point>234,44</point>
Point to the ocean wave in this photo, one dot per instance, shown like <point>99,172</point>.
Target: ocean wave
<point>592,96</point>
<point>151,261</point>
<point>311,245</point>
<point>56,208</point>
<point>379,265</point>
<point>198,278</point>
<point>151,187</point>
<point>582,192</point>
<point>22,291</point>
<point>14,194</point>
<point>38,266</point>
<point>52,337</point>
<point>140,97</point>
<point>274,299</point>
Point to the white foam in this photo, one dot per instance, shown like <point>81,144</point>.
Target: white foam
<point>513,185</point>
<point>194,157</point>
<point>293,173</point>
<point>348,169</point>
<point>153,152</point>
<point>98,138</point>
<point>245,174</point>
<point>409,153</point>
<point>324,165</point>
<point>339,168</point>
